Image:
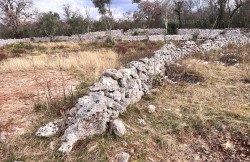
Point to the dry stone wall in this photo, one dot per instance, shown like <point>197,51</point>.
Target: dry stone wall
<point>119,88</point>
<point>154,35</point>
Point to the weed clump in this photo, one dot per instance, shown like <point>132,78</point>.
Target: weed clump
<point>121,49</point>
<point>20,45</point>
<point>18,48</point>
<point>179,73</point>
<point>231,59</point>
<point>38,107</point>
<point>195,36</point>
<point>149,97</point>
<point>109,42</point>
<point>2,54</point>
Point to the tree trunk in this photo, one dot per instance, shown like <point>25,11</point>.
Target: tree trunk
<point>220,22</point>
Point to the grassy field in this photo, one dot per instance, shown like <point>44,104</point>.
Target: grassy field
<point>203,116</point>
<point>37,79</point>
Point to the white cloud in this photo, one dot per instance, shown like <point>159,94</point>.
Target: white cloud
<point>118,7</point>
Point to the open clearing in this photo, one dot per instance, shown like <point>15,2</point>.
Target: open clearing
<point>20,91</point>
<point>39,81</point>
<point>203,116</point>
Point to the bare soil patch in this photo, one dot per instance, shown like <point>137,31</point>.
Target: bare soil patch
<point>20,91</point>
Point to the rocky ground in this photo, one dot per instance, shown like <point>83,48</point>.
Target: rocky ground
<point>184,114</point>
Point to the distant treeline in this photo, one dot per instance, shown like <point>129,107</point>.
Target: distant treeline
<point>18,20</point>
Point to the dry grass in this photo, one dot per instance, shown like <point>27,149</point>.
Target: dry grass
<point>88,62</point>
<point>86,56</point>
<point>191,122</point>
<point>84,60</point>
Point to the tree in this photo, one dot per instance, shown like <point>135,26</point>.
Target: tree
<point>233,7</point>
<point>87,11</point>
<point>139,19</point>
<point>104,9</point>
<point>48,24</point>
<point>166,6</point>
<point>221,13</point>
<point>136,1</point>
<point>74,20</point>
<point>15,14</point>
<point>67,11</point>
<point>178,10</point>
<point>151,11</point>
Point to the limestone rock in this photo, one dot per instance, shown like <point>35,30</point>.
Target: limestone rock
<point>142,122</point>
<point>113,73</point>
<point>151,108</point>
<point>106,83</point>
<point>119,128</point>
<point>50,129</point>
<point>122,157</point>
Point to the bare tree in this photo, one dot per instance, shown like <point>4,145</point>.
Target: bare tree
<point>104,8</point>
<point>15,13</point>
<point>166,6</point>
<point>151,11</point>
<point>87,11</point>
<point>67,11</point>
<point>233,7</point>
<point>178,10</point>
<point>74,20</point>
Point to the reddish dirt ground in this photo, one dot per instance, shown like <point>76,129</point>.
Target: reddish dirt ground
<point>20,91</point>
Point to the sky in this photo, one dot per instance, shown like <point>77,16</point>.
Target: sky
<point>118,7</point>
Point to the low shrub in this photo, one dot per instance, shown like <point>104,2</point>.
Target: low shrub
<point>172,28</point>
<point>109,42</point>
<point>195,36</point>
<point>38,107</point>
<point>20,45</point>
<point>2,54</point>
<point>125,29</point>
<point>231,59</point>
<point>121,49</point>
<point>18,48</point>
<point>135,33</point>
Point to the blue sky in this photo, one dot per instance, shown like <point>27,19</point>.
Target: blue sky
<point>118,6</point>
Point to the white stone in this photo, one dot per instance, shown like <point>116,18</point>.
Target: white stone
<point>3,136</point>
<point>119,128</point>
<point>50,129</point>
<point>122,157</point>
<point>142,122</point>
<point>151,108</point>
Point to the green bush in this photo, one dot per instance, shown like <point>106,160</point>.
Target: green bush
<point>195,36</point>
<point>172,28</point>
<point>19,46</point>
<point>135,33</point>
<point>38,107</point>
<point>109,42</point>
